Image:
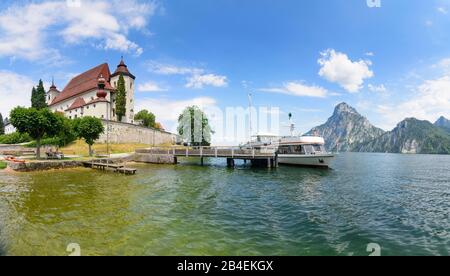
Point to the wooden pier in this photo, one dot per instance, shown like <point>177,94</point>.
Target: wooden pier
<point>258,157</point>
<point>115,167</point>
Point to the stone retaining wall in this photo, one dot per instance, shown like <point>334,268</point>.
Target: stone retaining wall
<point>155,158</point>
<point>43,165</point>
<point>120,133</point>
<point>63,164</point>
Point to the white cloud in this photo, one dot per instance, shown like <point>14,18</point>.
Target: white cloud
<point>169,69</point>
<point>198,81</point>
<point>338,68</point>
<point>167,111</point>
<point>298,89</point>
<point>28,30</point>
<point>150,86</point>
<point>370,54</point>
<point>198,78</point>
<point>377,88</point>
<point>430,101</point>
<point>15,91</point>
<point>443,65</point>
<point>442,10</point>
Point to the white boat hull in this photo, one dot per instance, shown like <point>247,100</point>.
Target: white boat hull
<point>314,160</point>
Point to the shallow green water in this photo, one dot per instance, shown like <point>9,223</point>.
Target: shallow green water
<point>401,202</point>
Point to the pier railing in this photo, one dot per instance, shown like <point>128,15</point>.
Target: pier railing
<point>227,152</point>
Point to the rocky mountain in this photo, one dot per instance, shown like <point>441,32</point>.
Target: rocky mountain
<point>346,129</point>
<point>444,123</point>
<point>410,136</point>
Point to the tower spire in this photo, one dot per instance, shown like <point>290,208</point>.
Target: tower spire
<point>53,83</point>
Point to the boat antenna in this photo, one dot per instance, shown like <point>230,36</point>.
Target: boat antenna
<point>291,125</point>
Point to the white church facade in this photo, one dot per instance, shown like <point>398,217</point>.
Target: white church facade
<point>93,93</point>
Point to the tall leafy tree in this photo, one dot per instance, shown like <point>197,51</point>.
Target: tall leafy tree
<point>193,126</point>
<point>38,101</point>
<point>2,125</point>
<point>147,118</point>
<point>89,129</point>
<point>121,99</point>
<point>37,123</point>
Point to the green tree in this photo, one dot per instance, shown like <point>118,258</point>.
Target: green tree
<point>147,118</point>
<point>67,134</point>
<point>36,123</point>
<point>193,126</point>
<point>89,129</point>
<point>121,99</point>
<point>33,97</point>
<point>38,101</point>
<point>2,125</point>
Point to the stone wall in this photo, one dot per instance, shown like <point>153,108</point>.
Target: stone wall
<point>43,165</point>
<point>129,133</point>
<point>155,158</point>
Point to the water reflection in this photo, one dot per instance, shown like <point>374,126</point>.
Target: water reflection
<point>187,209</point>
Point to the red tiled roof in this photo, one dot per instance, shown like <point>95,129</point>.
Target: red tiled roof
<point>98,100</point>
<point>79,102</point>
<point>122,68</point>
<point>85,82</point>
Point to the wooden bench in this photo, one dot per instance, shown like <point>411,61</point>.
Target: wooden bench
<point>19,152</point>
<point>54,155</point>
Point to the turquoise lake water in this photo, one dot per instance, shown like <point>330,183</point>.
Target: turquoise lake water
<point>400,202</point>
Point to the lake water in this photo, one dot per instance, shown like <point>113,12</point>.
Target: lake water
<point>400,202</point>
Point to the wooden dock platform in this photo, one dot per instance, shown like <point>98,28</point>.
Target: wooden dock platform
<point>115,167</point>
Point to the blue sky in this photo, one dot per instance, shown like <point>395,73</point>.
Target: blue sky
<point>304,57</point>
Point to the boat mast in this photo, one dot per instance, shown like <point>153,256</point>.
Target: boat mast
<point>250,115</point>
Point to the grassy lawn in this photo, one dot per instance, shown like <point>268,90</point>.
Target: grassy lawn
<point>2,165</point>
<point>81,148</point>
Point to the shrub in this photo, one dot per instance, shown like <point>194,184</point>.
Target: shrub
<point>53,141</point>
<point>14,138</point>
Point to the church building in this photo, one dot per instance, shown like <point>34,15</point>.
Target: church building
<point>93,93</point>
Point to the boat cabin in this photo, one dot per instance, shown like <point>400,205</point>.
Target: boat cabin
<point>301,145</point>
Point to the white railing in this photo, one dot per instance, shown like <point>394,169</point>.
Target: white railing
<point>220,151</point>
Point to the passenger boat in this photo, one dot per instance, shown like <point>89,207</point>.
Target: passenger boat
<point>293,150</point>
<point>303,151</point>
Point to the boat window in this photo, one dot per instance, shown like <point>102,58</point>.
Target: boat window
<point>291,150</point>
<point>317,148</point>
<point>308,149</point>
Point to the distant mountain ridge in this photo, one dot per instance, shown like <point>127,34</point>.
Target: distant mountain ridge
<point>347,130</point>
<point>410,136</point>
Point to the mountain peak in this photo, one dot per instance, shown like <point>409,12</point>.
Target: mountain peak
<point>344,108</point>
<point>346,128</point>
<point>442,122</point>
